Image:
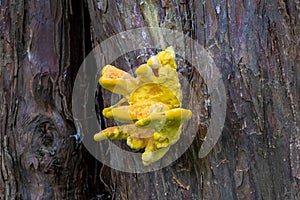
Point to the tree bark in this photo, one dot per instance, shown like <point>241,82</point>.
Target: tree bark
<point>42,46</point>
<point>255,45</point>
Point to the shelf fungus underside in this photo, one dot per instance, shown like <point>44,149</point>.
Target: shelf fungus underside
<point>150,107</point>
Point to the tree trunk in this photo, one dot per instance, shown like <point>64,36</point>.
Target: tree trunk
<point>42,46</point>
<point>254,45</point>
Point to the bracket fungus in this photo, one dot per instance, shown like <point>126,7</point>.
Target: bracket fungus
<point>151,106</point>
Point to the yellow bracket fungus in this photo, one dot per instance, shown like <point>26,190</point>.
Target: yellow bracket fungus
<point>151,105</point>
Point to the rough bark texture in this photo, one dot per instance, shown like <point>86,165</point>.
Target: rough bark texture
<point>255,44</point>
<point>40,55</point>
